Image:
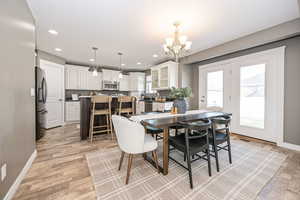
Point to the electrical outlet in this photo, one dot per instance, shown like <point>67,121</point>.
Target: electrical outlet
<point>3,172</point>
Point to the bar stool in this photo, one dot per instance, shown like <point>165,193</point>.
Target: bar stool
<point>123,108</point>
<point>105,102</point>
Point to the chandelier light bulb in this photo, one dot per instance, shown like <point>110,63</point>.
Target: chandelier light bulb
<point>182,39</point>
<point>188,45</point>
<point>120,75</point>
<point>169,41</point>
<point>165,48</point>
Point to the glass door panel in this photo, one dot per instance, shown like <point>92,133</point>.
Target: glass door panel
<point>164,77</point>
<point>252,96</point>
<point>215,89</point>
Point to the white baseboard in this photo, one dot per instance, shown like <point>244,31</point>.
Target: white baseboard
<point>12,190</point>
<point>290,146</point>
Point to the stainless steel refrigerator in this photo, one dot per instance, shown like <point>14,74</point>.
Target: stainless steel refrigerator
<point>40,102</point>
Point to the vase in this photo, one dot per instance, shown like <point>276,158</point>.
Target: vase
<point>181,106</point>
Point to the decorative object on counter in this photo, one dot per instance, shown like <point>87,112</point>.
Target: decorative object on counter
<point>178,45</point>
<point>174,110</point>
<point>180,95</point>
<point>95,69</point>
<point>75,97</point>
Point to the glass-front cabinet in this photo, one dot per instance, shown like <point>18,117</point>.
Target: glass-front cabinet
<point>164,76</point>
<point>154,75</point>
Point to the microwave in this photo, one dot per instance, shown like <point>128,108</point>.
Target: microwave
<point>110,85</point>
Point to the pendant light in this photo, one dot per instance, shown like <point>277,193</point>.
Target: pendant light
<point>121,73</point>
<point>95,69</point>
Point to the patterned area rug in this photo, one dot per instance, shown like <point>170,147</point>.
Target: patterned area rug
<point>253,166</point>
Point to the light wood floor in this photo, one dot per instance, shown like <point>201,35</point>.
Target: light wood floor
<point>60,170</point>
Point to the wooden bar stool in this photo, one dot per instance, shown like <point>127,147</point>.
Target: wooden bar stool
<point>123,102</point>
<point>105,102</point>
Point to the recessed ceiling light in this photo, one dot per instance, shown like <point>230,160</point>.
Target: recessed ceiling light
<point>123,64</point>
<point>138,63</point>
<point>58,49</point>
<point>155,55</point>
<point>92,59</point>
<point>53,32</point>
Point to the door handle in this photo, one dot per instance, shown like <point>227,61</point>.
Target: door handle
<point>59,99</point>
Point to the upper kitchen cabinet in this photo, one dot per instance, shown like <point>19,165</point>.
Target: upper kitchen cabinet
<point>79,78</point>
<point>137,81</point>
<point>164,76</point>
<point>124,83</point>
<point>110,75</point>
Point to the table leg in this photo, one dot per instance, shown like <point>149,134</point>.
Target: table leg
<point>166,151</point>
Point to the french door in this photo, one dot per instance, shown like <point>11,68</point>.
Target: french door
<point>251,88</point>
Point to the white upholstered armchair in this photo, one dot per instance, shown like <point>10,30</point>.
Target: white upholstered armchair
<point>132,139</point>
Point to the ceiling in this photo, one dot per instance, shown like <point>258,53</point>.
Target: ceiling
<point>138,27</point>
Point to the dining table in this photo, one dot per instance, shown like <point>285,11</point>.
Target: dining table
<point>166,120</point>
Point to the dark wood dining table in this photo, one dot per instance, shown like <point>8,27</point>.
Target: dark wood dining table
<point>166,122</point>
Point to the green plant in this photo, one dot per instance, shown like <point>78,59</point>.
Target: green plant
<point>181,93</point>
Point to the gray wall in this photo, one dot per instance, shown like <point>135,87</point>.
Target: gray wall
<point>292,83</point>
<point>17,129</point>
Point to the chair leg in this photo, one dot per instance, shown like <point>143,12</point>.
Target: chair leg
<point>92,127</point>
<point>229,150</point>
<point>208,161</point>
<point>111,127</point>
<point>190,169</point>
<point>107,124</point>
<point>216,156</point>
<point>184,156</point>
<point>121,160</point>
<point>154,154</point>
<point>129,167</point>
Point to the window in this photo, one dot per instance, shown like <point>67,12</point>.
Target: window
<point>252,96</point>
<point>215,89</point>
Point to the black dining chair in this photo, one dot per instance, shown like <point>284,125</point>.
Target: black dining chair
<point>219,134</point>
<point>193,142</point>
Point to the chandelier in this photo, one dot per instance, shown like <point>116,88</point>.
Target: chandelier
<point>178,45</point>
<point>94,68</point>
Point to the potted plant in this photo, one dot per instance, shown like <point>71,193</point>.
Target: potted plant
<point>180,95</point>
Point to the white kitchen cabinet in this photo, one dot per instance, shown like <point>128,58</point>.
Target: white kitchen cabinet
<point>94,82</point>
<point>124,83</point>
<point>110,75</point>
<point>137,81</point>
<point>79,78</point>
<point>164,76</point>
<point>72,110</point>
<point>71,78</point>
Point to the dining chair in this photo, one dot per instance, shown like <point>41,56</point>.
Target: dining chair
<point>193,142</point>
<point>132,139</point>
<point>219,134</point>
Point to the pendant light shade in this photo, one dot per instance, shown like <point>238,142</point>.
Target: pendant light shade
<point>121,73</point>
<point>94,68</point>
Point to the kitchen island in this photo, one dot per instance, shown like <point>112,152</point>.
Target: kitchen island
<point>85,114</point>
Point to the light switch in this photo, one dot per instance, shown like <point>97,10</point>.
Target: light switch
<point>32,92</point>
<point>3,172</point>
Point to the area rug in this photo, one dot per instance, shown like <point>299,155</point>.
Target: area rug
<point>253,166</point>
